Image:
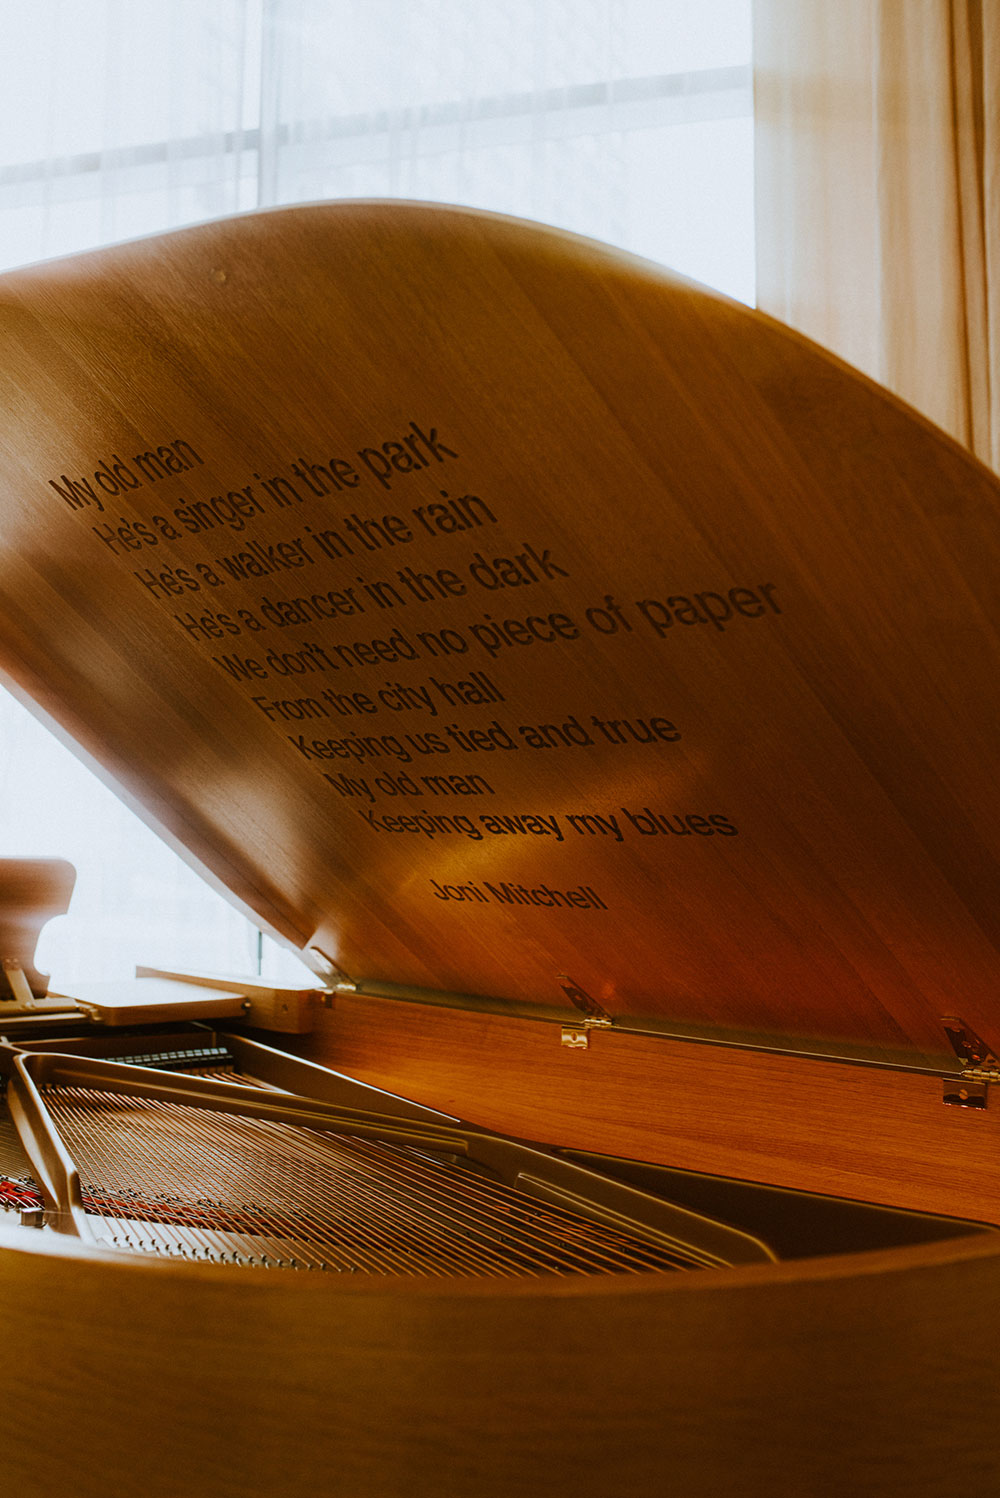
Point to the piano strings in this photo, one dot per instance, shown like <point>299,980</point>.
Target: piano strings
<point>167,1178</point>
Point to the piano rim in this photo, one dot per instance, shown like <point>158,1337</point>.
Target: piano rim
<point>408,1385</point>
<point>827,1267</point>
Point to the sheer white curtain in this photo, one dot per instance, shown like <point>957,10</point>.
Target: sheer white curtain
<point>626,119</point>
<point>629,120</point>
<point>119,118</point>
<point>878,176</point>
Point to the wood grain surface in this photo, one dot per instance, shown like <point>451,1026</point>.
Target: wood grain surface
<point>837,1376</point>
<point>32,891</point>
<point>637,654</point>
<point>867,1133</point>
<point>638,659</point>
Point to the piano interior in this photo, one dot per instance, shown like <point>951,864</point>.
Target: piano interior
<point>595,683</point>
<point>166,1171</point>
<point>382,1193</point>
<point>183,1168</point>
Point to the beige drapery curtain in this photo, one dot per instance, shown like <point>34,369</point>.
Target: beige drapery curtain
<point>878,194</point>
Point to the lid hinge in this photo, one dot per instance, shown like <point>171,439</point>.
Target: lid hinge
<point>980,1067</point>
<point>577,1037</point>
<point>595,1017</point>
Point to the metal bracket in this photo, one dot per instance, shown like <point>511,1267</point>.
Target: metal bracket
<point>980,1067</point>
<point>595,1016</point>
<point>582,1000</point>
<point>963,1093</point>
<point>577,1037</point>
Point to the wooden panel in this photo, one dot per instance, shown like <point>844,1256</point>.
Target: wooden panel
<point>837,1377</point>
<point>511,618</point>
<point>865,1133</point>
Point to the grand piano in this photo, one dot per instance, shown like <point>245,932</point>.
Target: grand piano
<point>597,684</point>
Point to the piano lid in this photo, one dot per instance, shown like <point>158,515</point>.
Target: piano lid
<point>503,615</point>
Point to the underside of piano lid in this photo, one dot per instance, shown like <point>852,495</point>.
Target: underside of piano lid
<point>494,614</point>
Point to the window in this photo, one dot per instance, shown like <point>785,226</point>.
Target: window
<point>629,120</point>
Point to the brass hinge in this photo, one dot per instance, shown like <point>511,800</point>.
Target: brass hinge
<point>595,1016</point>
<point>970,1089</point>
<point>577,1037</point>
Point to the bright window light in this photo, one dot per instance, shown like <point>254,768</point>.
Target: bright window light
<point>627,120</point>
